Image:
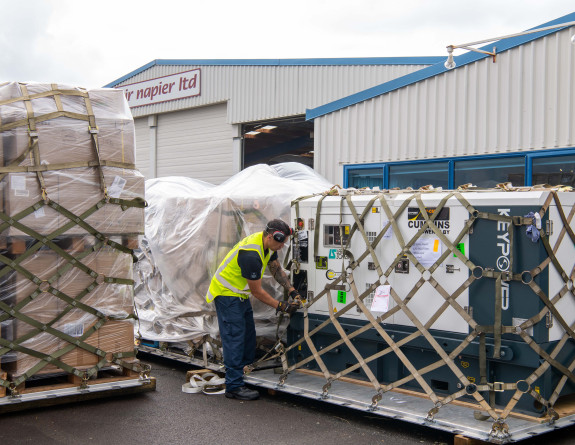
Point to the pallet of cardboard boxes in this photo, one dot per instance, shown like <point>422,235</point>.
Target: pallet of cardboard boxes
<point>71,209</point>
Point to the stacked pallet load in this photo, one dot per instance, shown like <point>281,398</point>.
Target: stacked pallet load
<point>71,209</point>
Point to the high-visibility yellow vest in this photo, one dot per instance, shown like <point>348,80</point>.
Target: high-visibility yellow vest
<point>228,278</point>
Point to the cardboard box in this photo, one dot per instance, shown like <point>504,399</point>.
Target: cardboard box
<point>43,308</point>
<point>117,336</point>
<point>80,358</point>
<point>19,363</point>
<point>65,139</point>
<point>109,298</point>
<point>112,337</point>
<point>76,190</point>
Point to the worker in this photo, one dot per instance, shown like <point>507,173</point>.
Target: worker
<point>238,276</point>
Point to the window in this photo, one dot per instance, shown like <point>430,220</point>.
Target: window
<point>365,177</point>
<point>557,170</point>
<point>490,172</point>
<point>416,175</point>
<point>553,167</point>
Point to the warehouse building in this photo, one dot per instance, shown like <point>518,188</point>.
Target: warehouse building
<point>209,119</point>
<point>494,118</point>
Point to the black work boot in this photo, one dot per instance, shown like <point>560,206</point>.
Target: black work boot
<point>243,393</point>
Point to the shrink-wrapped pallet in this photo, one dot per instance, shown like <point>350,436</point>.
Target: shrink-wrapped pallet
<point>71,201</point>
<point>190,227</point>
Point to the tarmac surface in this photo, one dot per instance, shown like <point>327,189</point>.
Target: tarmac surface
<point>169,416</point>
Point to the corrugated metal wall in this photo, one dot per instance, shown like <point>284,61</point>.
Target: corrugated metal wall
<point>267,92</point>
<point>196,143</point>
<point>143,146</point>
<point>524,101</point>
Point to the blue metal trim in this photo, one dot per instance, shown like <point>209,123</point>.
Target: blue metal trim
<point>423,161</point>
<point>386,176</point>
<point>451,174</point>
<point>529,156</point>
<point>434,70</point>
<point>363,166</point>
<point>528,170</point>
<point>554,152</point>
<point>534,153</point>
<point>423,60</point>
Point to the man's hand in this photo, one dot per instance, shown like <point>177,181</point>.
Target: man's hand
<point>294,294</point>
<point>287,308</point>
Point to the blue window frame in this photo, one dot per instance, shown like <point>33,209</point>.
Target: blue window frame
<point>490,172</point>
<point>554,170</point>
<point>365,177</point>
<point>523,168</point>
<point>417,175</point>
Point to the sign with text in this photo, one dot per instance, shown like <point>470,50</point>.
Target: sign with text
<point>163,89</point>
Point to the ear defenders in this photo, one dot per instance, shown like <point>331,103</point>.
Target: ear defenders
<point>278,235</point>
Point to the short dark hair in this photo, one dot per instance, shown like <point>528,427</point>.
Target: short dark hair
<point>277,224</point>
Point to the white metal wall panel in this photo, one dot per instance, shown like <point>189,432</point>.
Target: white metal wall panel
<point>523,101</point>
<point>142,146</point>
<point>195,143</point>
<point>265,92</point>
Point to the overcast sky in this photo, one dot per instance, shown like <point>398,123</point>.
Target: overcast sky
<point>92,43</point>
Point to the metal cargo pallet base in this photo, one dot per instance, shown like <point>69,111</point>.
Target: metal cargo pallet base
<point>180,357</point>
<point>397,405</point>
<point>72,394</point>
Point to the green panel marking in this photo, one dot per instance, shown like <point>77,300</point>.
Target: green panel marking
<point>321,262</point>
<point>461,248</point>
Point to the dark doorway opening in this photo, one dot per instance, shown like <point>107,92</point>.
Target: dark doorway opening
<point>280,140</point>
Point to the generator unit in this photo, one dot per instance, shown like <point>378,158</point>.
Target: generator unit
<point>457,294</point>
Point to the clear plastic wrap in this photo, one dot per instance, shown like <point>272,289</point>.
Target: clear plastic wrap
<point>64,138</point>
<point>71,206</point>
<point>77,190</point>
<point>113,300</point>
<point>190,227</point>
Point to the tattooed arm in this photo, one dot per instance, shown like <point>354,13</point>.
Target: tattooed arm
<point>280,275</point>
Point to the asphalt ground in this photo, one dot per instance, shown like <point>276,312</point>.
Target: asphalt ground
<point>169,416</point>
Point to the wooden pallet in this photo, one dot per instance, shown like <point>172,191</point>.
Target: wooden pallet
<point>3,376</point>
<point>460,439</point>
<point>61,381</point>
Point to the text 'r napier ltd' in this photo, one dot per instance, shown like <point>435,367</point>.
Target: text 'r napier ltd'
<point>185,83</point>
<point>164,89</point>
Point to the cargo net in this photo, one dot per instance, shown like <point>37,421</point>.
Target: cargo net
<point>481,391</point>
<point>71,208</point>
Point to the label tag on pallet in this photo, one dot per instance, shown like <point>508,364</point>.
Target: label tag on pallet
<point>115,190</point>
<point>427,250</point>
<point>380,301</point>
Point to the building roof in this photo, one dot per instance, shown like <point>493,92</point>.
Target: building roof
<point>425,60</point>
<point>434,70</point>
